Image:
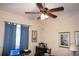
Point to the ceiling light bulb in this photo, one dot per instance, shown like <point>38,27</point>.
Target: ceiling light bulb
<point>46,16</point>
<point>42,16</point>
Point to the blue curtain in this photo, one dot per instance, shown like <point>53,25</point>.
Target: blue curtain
<point>9,38</point>
<point>24,37</point>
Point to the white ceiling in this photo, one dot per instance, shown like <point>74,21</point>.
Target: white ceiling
<point>20,8</point>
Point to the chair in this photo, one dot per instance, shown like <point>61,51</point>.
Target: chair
<point>15,52</point>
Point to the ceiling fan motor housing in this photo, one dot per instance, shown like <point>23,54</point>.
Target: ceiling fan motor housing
<point>44,11</point>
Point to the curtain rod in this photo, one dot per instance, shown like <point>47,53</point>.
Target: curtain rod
<point>16,23</point>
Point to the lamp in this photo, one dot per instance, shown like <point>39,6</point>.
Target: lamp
<point>73,48</point>
<point>43,16</point>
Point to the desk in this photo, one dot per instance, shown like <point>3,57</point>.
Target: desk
<point>40,51</point>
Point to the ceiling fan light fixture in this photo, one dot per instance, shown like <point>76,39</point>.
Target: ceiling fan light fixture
<point>43,16</point>
<point>46,16</point>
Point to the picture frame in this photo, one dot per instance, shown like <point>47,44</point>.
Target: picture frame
<point>64,39</point>
<point>76,37</point>
<point>34,36</point>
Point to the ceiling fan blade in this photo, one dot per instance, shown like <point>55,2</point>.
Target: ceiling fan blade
<point>51,15</point>
<point>32,12</point>
<point>39,5</point>
<point>56,9</point>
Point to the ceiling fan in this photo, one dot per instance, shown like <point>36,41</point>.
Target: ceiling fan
<point>45,11</point>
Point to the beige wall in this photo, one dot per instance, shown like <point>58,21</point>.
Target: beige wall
<point>48,31</point>
<point>34,25</point>
<point>66,22</point>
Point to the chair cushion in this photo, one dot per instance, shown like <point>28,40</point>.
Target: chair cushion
<point>15,52</point>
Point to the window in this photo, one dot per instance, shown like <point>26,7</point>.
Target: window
<point>18,33</point>
<point>16,37</point>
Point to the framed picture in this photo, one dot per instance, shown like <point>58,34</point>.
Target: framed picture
<point>64,39</point>
<point>34,36</point>
<point>76,37</point>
